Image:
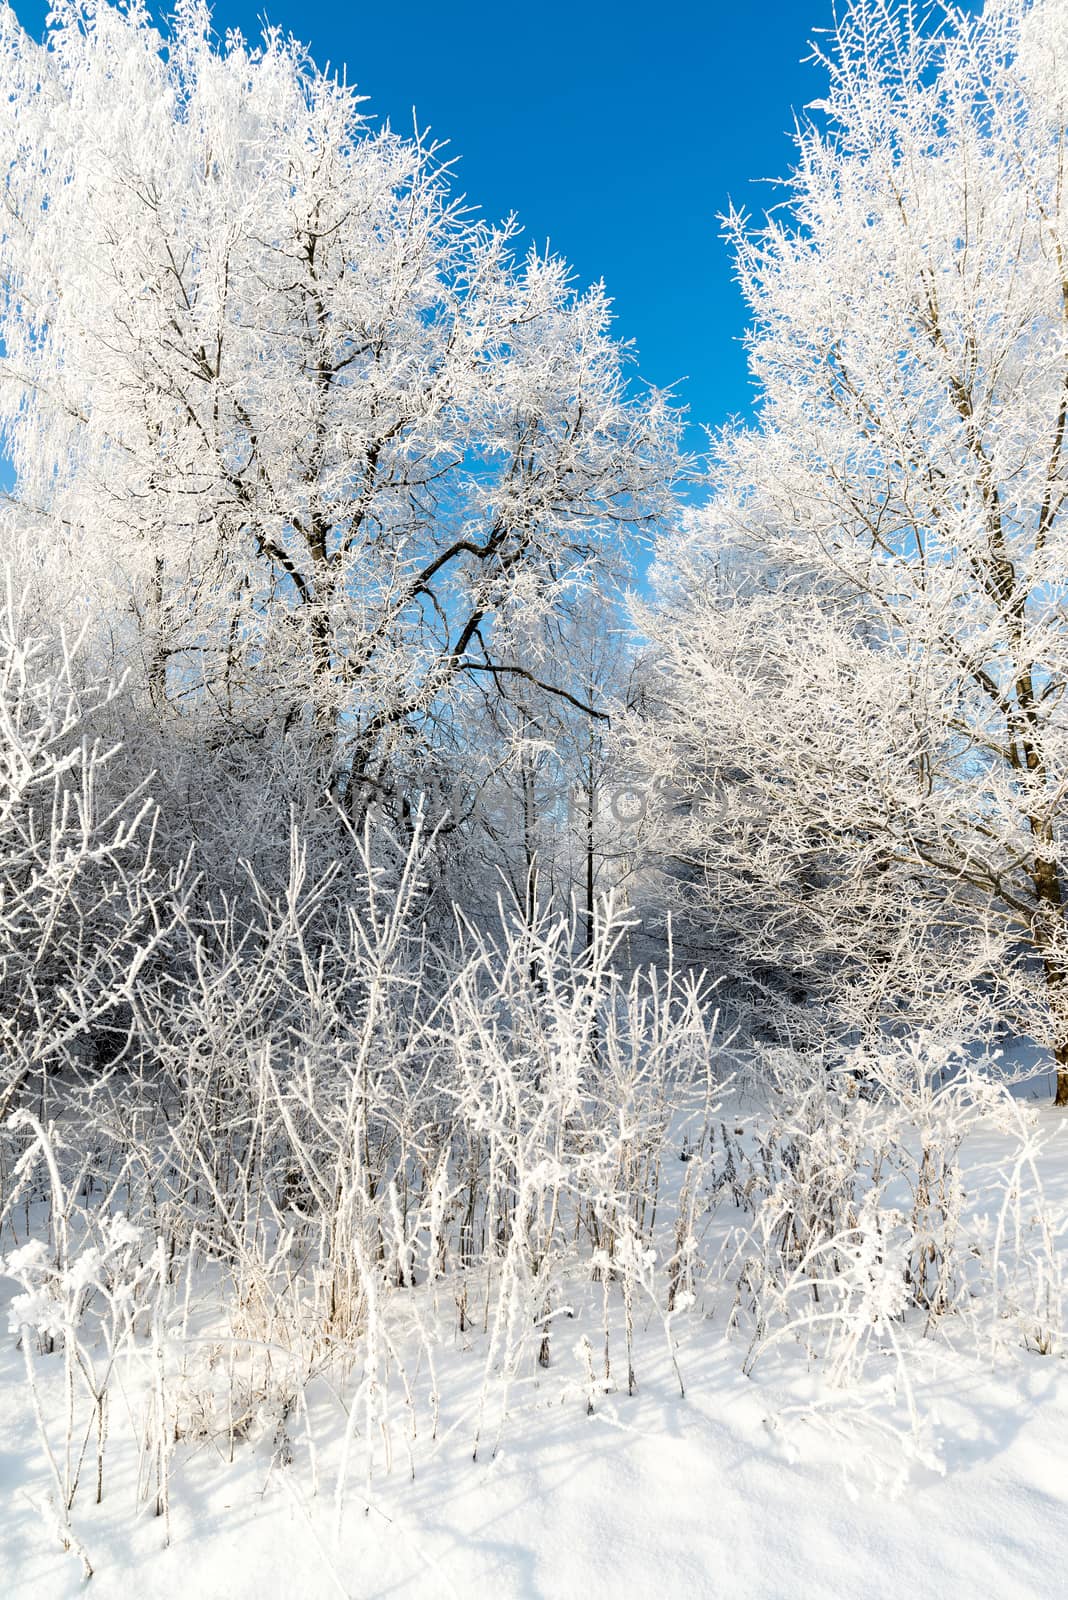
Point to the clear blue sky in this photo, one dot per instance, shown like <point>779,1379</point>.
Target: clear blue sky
<point>618,132</point>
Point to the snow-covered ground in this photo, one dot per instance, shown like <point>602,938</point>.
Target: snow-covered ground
<point>767,1486</point>
<point>652,1495</point>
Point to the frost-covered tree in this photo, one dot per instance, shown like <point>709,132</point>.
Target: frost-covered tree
<point>778,741</point>
<point>890,670</point>
<point>82,910</point>
<point>317,436</point>
<point>555,800</point>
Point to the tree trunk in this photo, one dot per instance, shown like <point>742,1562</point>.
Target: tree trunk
<point>157,657</point>
<point>591,858</point>
<point>1045,930</point>
<point>1060,1055</point>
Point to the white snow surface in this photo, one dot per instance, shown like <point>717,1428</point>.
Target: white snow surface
<point>763,1487</point>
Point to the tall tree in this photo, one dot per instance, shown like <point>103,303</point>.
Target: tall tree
<point>904,497</point>
<point>317,431</point>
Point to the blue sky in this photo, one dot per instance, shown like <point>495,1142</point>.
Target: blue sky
<point>617,132</point>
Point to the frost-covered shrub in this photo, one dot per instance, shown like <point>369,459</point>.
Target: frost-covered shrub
<point>860,1218</point>
<point>339,1142</point>
<point>81,908</point>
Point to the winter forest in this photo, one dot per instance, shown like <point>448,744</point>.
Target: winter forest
<point>533,950</point>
